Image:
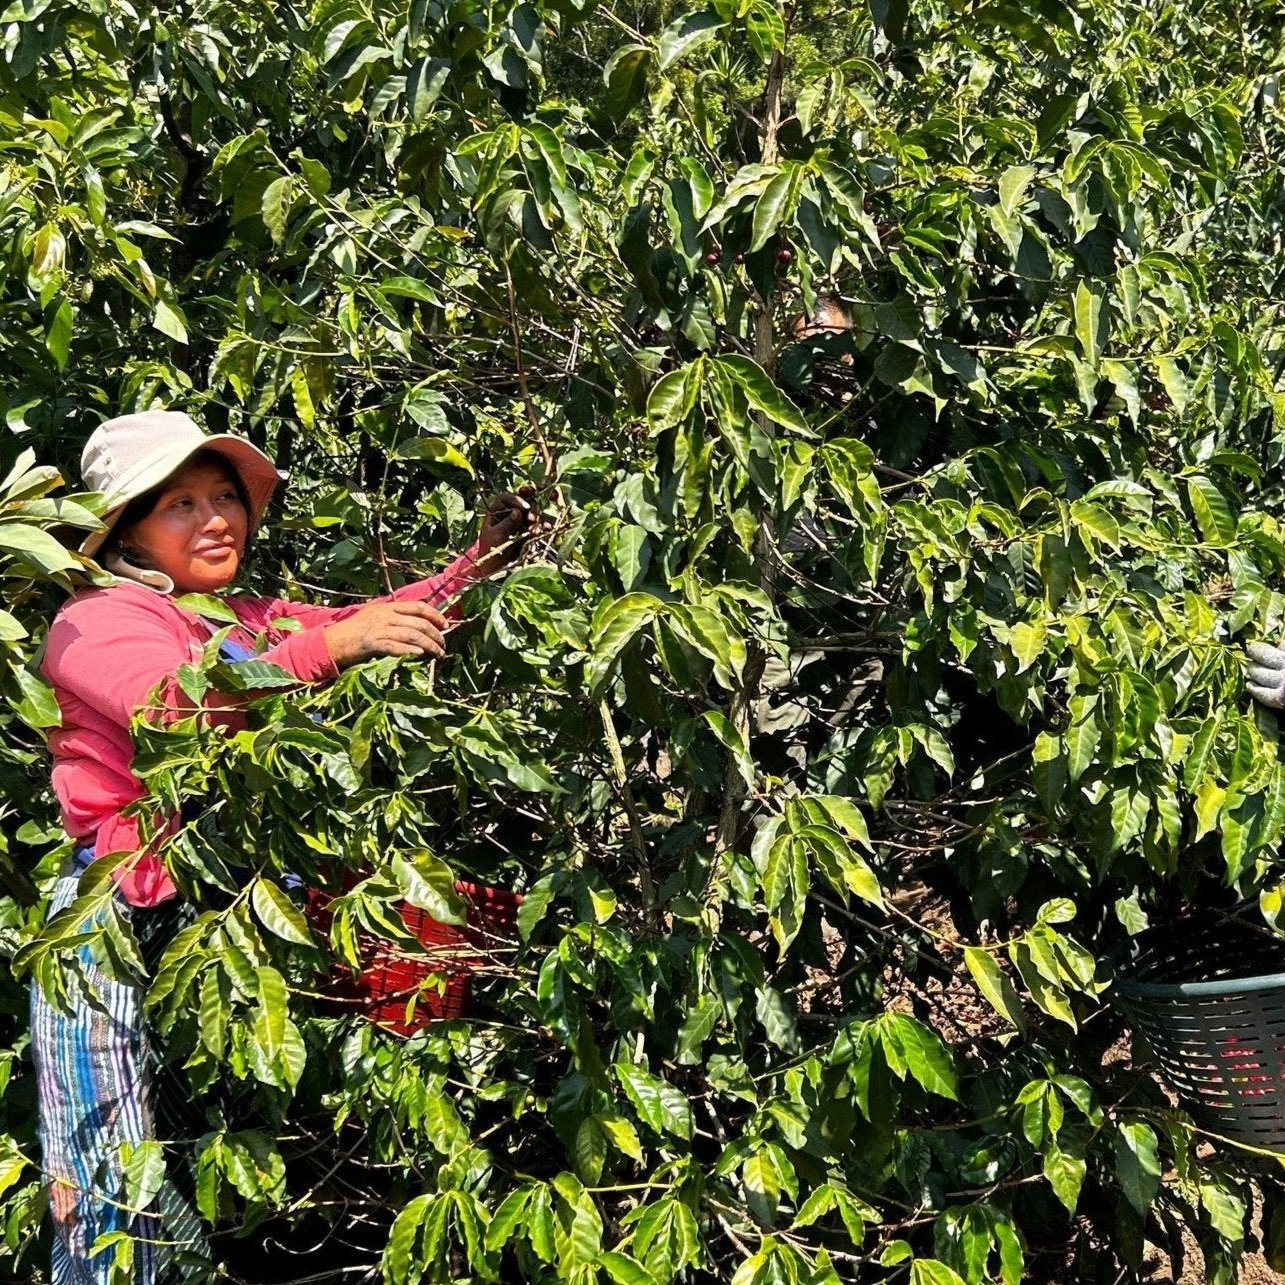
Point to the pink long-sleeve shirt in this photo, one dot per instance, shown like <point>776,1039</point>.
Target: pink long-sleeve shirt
<point>117,650</point>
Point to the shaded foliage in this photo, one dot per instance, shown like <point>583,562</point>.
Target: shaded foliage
<point>903,388</point>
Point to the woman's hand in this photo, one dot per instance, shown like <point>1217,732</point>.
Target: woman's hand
<point>510,521</point>
<point>387,629</point>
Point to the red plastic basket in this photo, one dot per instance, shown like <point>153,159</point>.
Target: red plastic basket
<point>390,987</point>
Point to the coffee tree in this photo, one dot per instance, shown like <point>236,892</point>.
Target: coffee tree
<point>900,386</point>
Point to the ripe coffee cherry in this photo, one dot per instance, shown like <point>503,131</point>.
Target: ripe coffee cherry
<point>713,257</point>
<point>740,258</point>
<point>785,255</point>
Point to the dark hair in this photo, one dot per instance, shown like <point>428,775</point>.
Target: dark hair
<point>141,505</point>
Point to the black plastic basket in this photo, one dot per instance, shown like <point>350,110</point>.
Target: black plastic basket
<point>1208,997</point>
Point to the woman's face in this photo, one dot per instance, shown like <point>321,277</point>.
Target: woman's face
<point>195,532</point>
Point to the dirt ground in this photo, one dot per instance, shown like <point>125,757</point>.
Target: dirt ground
<point>1253,1267</point>
<point>1253,1271</point>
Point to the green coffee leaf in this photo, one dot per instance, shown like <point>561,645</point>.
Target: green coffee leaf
<point>761,393</point>
<point>761,1178</point>
<point>1137,1163</point>
<point>625,75</point>
<point>623,1270</point>
<point>686,34</point>
<point>1174,383</point>
<point>278,914</point>
<point>1092,321</point>
<point>12,1164</point>
<point>615,623</point>
<point>1213,513</point>
<point>734,742</point>
<point>589,1151</point>
<point>429,883</point>
<point>774,206</point>
<point>1226,1207</point>
<point>270,1025</point>
<point>144,1173</point>
<point>912,1049</point>
<point>1013,185</point>
<point>931,1271</point>
<point>38,548</point>
<point>994,985</point>
<point>657,1102</point>
<point>1065,1174</point>
<point>766,28</point>
<point>424,85</point>
<point>170,320</point>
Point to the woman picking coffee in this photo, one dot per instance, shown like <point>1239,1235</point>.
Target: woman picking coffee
<point>182,506</point>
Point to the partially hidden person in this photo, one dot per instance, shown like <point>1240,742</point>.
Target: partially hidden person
<point>181,506</point>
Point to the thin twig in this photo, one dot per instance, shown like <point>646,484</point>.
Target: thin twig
<point>647,887</point>
<point>550,466</point>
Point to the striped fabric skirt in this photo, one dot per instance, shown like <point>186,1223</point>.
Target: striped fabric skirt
<point>94,1076</point>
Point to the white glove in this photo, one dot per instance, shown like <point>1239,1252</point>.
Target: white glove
<point>1265,677</point>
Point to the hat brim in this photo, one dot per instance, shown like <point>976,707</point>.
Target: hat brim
<point>258,474</point>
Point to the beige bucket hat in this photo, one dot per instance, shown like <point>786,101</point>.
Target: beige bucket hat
<point>127,456</point>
